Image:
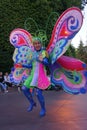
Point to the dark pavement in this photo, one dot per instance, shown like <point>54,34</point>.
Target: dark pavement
<point>64,112</point>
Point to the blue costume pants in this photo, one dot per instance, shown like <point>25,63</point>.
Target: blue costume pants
<point>40,98</point>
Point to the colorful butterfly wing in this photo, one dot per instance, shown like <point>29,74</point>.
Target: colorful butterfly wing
<point>23,53</point>
<point>66,27</point>
<point>71,74</point>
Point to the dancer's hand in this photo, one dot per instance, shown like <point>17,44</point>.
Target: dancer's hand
<point>41,57</point>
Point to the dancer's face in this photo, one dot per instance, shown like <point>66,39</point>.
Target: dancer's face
<point>37,45</point>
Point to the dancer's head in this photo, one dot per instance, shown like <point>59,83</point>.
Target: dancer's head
<point>37,44</point>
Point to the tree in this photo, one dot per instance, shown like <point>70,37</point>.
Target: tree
<point>82,52</point>
<point>84,2</point>
<point>71,51</point>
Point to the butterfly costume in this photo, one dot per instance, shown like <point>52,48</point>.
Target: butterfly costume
<point>70,73</point>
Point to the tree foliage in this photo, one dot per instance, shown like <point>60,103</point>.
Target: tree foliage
<point>84,2</point>
<point>71,51</point>
<point>82,52</point>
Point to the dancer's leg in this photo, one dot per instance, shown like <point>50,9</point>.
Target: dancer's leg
<point>41,101</point>
<point>28,95</point>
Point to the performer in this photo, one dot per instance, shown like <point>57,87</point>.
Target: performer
<point>38,77</point>
<point>67,72</point>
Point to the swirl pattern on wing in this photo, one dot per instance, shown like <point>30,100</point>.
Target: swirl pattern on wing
<point>20,37</point>
<point>73,82</point>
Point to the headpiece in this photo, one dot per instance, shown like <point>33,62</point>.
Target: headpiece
<point>37,39</point>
